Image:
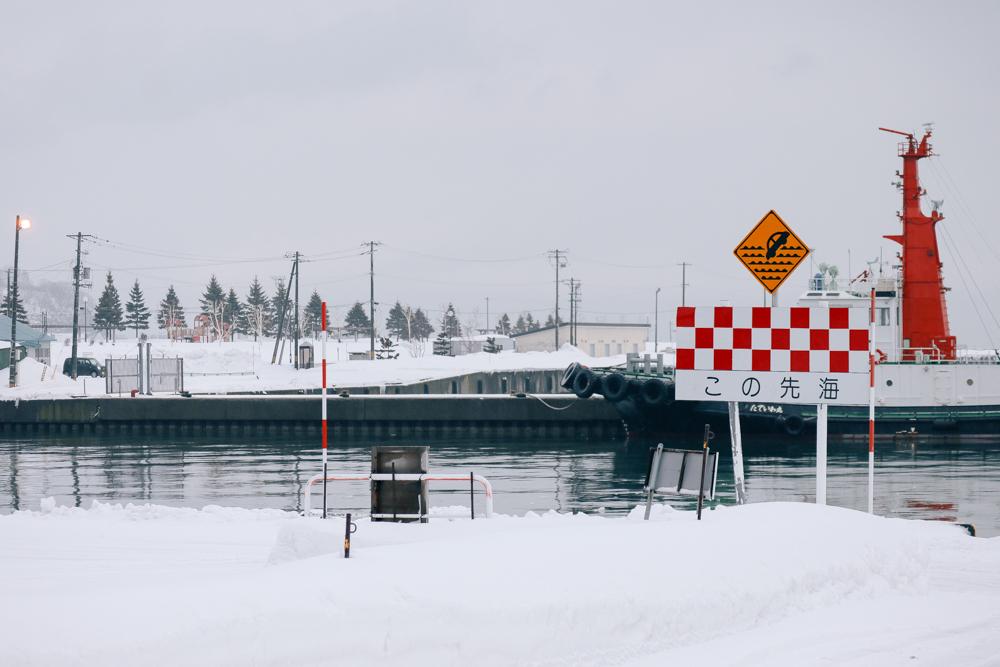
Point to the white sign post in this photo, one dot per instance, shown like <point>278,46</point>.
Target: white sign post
<point>803,356</point>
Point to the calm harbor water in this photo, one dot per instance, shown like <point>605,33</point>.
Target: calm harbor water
<point>953,483</point>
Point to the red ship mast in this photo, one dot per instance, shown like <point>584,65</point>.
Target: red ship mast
<point>925,314</point>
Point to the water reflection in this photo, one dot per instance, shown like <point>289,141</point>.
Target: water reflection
<point>960,483</point>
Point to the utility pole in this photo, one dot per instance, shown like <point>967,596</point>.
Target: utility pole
<point>281,315</point>
<point>574,291</point>
<point>296,349</point>
<point>560,260</point>
<point>572,296</point>
<point>487,315</point>
<point>77,274</point>
<point>684,282</point>
<point>576,312</point>
<point>656,320</point>
<point>371,297</point>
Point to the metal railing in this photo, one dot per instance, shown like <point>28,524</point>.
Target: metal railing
<point>402,477</point>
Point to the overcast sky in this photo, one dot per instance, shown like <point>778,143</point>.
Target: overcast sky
<point>634,135</point>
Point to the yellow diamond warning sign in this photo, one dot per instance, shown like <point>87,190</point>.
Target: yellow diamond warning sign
<point>771,251</point>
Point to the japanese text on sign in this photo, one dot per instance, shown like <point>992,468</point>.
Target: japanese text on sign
<point>773,355</point>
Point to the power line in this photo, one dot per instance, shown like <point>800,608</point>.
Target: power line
<point>417,253</point>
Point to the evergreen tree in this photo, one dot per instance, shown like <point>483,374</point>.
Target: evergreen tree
<point>108,315</point>
<point>313,315</point>
<point>258,313</point>
<point>398,324</point>
<point>357,320</point>
<point>171,313</point>
<point>233,314</point>
<point>12,303</point>
<point>503,325</point>
<point>213,303</point>
<point>449,323</point>
<point>442,344</point>
<point>420,327</point>
<point>136,313</point>
<point>521,326</point>
<point>530,324</point>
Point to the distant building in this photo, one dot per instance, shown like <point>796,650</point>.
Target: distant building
<point>472,344</point>
<point>598,339</point>
<point>37,343</point>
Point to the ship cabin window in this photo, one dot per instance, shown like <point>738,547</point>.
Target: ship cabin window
<point>884,317</point>
<point>969,382</point>
<point>635,348</point>
<point>454,387</point>
<point>593,350</point>
<point>814,294</point>
<point>888,383</point>
<point>619,348</point>
<point>607,349</point>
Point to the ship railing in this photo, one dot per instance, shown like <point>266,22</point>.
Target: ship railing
<point>933,355</point>
<point>647,364</point>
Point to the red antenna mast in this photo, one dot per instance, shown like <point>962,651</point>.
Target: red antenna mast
<point>925,313</point>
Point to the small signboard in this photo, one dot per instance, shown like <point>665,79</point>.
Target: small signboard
<point>771,251</point>
<point>676,471</point>
<point>806,356</point>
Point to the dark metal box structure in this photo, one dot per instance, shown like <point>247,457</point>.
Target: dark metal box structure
<point>403,496</point>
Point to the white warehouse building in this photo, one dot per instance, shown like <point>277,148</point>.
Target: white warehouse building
<point>598,339</point>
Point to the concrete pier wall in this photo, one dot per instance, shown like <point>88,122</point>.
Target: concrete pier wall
<point>500,416</point>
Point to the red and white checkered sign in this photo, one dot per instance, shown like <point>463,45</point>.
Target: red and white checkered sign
<point>794,355</point>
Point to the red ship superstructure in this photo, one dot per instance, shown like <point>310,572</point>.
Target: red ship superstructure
<point>925,330</point>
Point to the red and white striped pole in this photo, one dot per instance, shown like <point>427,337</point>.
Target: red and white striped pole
<point>323,426</point>
<point>871,404</point>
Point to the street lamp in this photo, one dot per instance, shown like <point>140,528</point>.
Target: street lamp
<point>19,224</point>
<point>656,320</point>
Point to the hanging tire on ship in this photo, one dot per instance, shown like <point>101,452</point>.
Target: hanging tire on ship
<point>792,425</point>
<point>586,383</point>
<point>570,374</point>
<point>629,411</point>
<point>615,387</point>
<point>655,392</point>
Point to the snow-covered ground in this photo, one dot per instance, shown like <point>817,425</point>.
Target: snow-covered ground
<point>766,584</point>
<point>246,366</point>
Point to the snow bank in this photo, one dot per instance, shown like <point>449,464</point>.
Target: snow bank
<point>763,584</point>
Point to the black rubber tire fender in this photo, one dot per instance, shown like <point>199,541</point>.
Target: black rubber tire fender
<point>793,425</point>
<point>615,387</point>
<point>570,374</point>
<point>655,392</point>
<point>586,383</point>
